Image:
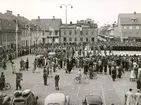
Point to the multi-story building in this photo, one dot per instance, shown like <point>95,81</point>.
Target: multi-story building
<point>81,32</point>
<point>50,28</point>
<point>129,26</point>
<point>7,33</point>
<point>8,24</point>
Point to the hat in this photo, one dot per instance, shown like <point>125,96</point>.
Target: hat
<point>138,90</point>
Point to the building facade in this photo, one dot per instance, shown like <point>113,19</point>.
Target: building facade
<point>49,28</point>
<point>78,33</point>
<point>129,26</point>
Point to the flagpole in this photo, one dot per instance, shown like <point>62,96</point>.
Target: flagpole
<point>16,38</point>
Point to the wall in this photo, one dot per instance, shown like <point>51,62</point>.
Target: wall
<point>76,34</point>
<point>134,32</point>
<point>36,37</point>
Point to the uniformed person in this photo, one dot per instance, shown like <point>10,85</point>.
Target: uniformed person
<point>57,78</point>
<point>45,76</point>
<point>18,81</point>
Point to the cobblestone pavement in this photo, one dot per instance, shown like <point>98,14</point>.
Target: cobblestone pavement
<point>110,92</point>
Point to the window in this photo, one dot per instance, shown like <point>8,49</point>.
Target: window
<point>64,32</point>
<point>56,32</point>
<point>125,27</point>
<point>69,32</point>
<point>137,33</point>
<point>130,27</point>
<point>134,20</point>
<point>75,39</point>
<point>43,40</point>
<point>70,39</point>
<point>137,27</point>
<point>64,39</point>
<point>81,39</point>
<point>86,32</point>
<point>92,39</point>
<point>81,32</point>
<point>50,32</point>
<point>75,32</point>
<point>87,39</point>
<point>92,33</point>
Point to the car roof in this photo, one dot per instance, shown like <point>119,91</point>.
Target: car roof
<point>93,99</point>
<point>22,97</point>
<point>55,98</point>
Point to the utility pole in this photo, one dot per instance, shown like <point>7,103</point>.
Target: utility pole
<point>16,38</point>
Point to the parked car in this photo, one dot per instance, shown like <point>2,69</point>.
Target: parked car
<point>57,99</point>
<point>92,100</point>
<point>4,99</point>
<point>25,97</point>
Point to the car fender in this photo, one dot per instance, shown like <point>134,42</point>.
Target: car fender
<point>6,100</point>
<point>67,100</point>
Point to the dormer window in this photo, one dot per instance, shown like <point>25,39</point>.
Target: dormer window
<point>134,20</point>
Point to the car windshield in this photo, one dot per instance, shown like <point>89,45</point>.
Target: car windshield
<point>19,102</point>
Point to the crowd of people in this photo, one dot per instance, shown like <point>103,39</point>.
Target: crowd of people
<point>87,58</point>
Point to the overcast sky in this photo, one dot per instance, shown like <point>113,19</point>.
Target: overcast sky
<point>101,11</point>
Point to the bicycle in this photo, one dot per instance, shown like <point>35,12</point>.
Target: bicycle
<point>85,79</point>
<point>7,86</point>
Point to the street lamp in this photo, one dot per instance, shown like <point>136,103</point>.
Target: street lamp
<point>29,35</point>
<point>16,31</point>
<point>66,6</point>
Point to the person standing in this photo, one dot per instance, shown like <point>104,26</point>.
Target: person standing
<point>113,73</point>
<point>45,76</point>
<point>137,97</point>
<point>57,78</point>
<point>2,80</point>
<point>4,64</point>
<point>18,81</point>
<point>139,84</point>
<point>27,64</point>
<point>13,68</point>
<point>129,98</point>
<point>35,65</point>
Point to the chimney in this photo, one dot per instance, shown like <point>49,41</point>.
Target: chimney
<point>135,13</point>
<point>70,22</point>
<point>38,17</point>
<point>9,12</point>
<point>53,17</point>
<point>18,15</point>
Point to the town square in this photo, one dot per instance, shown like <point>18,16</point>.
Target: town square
<point>70,52</point>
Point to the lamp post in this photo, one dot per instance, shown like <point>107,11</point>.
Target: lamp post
<point>66,6</point>
<point>29,35</point>
<point>16,22</point>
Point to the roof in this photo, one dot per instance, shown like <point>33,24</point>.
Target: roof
<point>93,99</point>
<point>55,98</point>
<point>7,25</point>
<point>127,18</point>
<point>78,25</point>
<point>1,16</point>
<point>46,24</point>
